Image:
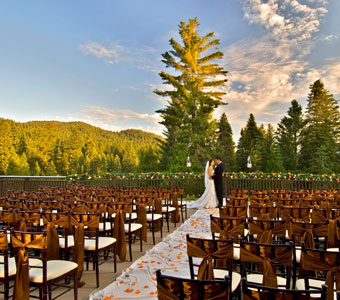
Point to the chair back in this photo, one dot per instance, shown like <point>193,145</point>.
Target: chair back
<point>264,258</point>
<point>264,230</point>
<point>326,264</point>
<point>227,227</point>
<point>212,252</point>
<point>169,287</point>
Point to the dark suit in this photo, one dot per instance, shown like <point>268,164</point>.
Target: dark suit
<point>218,179</point>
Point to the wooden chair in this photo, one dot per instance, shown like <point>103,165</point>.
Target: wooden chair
<point>319,267</point>
<point>131,228</point>
<point>264,231</point>
<point>252,291</point>
<point>229,210</point>
<point>262,211</point>
<point>267,264</point>
<point>217,261</point>
<point>169,287</point>
<point>46,275</point>
<point>62,223</point>
<point>95,246</point>
<point>7,265</point>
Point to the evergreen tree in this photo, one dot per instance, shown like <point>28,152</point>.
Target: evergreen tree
<point>51,169</point>
<point>190,127</point>
<point>288,136</point>
<point>130,160</point>
<point>36,171</point>
<point>117,167</point>
<point>22,147</point>
<point>249,144</point>
<point>60,158</point>
<point>270,158</point>
<point>13,167</point>
<point>148,161</point>
<point>320,138</point>
<point>5,145</point>
<point>225,144</point>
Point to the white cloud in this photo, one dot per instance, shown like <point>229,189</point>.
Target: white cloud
<point>102,114</point>
<point>112,54</point>
<point>266,73</point>
<point>144,58</point>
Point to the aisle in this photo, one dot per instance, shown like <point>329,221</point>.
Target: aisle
<point>139,280</point>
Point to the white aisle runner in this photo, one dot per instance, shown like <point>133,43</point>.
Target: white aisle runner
<point>170,255</point>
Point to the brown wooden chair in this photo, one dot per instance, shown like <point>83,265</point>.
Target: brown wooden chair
<point>95,246</point>
<point>267,231</point>
<point>320,267</point>
<point>169,287</point>
<point>7,265</point>
<point>216,261</point>
<point>267,264</point>
<point>46,275</point>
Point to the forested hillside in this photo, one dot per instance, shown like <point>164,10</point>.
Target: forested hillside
<point>60,148</point>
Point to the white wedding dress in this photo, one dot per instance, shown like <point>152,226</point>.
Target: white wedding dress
<point>209,197</point>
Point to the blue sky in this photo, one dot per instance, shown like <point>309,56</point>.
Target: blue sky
<point>98,61</point>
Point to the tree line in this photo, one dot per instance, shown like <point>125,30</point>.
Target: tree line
<point>57,148</point>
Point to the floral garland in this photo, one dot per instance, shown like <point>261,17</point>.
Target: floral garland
<point>192,175</point>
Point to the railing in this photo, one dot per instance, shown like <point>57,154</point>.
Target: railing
<point>192,186</point>
<point>29,183</point>
<point>271,184</point>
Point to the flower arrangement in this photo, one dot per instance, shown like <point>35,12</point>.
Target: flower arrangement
<point>193,175</point>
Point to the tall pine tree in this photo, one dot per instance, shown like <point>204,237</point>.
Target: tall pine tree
<point>288,136</point>
<point>249,144</point>
<point>190,127</point>
<point>225,146</point>
<point>320,138</point>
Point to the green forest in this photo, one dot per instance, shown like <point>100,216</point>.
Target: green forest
<point>59,148</point>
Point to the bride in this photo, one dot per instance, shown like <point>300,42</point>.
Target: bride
<point>209,198</point>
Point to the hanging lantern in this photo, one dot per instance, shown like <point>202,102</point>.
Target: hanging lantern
<point>249,164</point>
<point>188,162</point>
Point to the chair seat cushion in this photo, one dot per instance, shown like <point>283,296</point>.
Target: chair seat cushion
<point>168,209</point>
<point>103,242</point>
<point>155,217</point>
<point>107,226</point>
<point>12,268</point>
<point>236,277</point>
<point>258,279</point>
<point>313,283</point>
<point>134,227</point>
<point>70,241</point>
<point>55,269</point>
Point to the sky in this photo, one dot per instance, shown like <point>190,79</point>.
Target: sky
<point>98,61</point>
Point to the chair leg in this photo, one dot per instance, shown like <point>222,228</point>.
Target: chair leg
<point>162,228</point>
<point>49,292</point>
<point>6,290</point>
<point>141,242</point>
<point>44,291</point>
<point>153,233</point>
<point>97,269</point>
<point>130,248</point>
<point>167,222</point>
<point>115,257</point>
<point>182,214</point>
<point>75,285</point>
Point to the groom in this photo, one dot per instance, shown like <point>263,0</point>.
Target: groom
<point>218,179</point>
